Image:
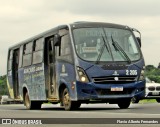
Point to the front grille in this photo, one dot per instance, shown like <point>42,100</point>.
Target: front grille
<point>151,88</point>
<point>109,92</point>
<point>152,94</point>
<point>114,79</point>
<point>158,88</point>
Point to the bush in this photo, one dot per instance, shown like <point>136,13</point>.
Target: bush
<point>3,85</point>
<point>152,73</point>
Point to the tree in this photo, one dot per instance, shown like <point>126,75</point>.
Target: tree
<point>150,67</point>
<point>3,85</point>
<point>158,66</point>
<point>152,73</point>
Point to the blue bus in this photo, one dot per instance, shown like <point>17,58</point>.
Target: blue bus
<point>82,62</point>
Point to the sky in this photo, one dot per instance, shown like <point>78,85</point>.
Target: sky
<point>22,19</point>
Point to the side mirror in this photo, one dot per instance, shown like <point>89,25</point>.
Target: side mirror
<point>57,39</point>
<point>139,41</point>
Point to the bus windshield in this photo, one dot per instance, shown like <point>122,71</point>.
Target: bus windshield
<point>106,44</point>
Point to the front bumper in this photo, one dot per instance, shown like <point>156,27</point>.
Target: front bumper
<point>151,94</point>
<point>92,91</point>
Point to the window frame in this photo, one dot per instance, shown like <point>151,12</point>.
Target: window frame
<point>66,57</point>
<point>36,50</point>
<point>25,46</point>
<point>10,60</point>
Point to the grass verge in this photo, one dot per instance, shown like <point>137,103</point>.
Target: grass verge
<point>148,101</point>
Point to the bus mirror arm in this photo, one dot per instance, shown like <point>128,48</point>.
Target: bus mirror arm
<point>139,41</point>
<point>138,38</point>
<point>57,39</point>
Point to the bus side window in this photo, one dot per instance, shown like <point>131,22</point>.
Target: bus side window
<point>38,51</point>
<point>65,48</point>
<point>27,54</point>
<point>51,52</point>
<point>10,60</point>
<point>20,57</point>
<point>57,51</point>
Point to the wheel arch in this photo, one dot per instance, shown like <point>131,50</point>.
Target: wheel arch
<point>24,90</point>
<point>61,89</point>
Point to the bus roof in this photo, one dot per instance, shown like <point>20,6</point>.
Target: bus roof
<point>97,24</point>
<point>73,25</point>
<point>33,38</point>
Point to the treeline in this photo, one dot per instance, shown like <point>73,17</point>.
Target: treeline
<point>152,73</point>
<point>3,85</point>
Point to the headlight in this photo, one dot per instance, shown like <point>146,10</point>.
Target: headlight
<point>83,79</point>
<point>82,75</point>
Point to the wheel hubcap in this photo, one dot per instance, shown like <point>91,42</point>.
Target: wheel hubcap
<point>27,101</point>
<point>66,99</point>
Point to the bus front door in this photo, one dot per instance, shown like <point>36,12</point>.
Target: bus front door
<point>51,69</point>
<point>15,73</point>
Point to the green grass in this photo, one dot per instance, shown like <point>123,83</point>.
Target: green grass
<point>148,101</point>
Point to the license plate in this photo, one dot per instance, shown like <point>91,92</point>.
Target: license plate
<point>155,93</point>
<point>116,88</point>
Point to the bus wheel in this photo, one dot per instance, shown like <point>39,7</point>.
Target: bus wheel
<point>27,101</point>
<point>77,104</point>
<point>31,104</point>
<point>158,100</point>
<point>124,103</point>
<point>67,103</point>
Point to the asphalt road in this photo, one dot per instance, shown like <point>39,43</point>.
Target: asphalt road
<point>86,111</point>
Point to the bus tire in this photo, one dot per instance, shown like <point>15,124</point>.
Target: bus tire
<point>124,103</point>
<point>158,100</point>
<point>31,104</point>
<point>77,104</point>
<point>67,103</point>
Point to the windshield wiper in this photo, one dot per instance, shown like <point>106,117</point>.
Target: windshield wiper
<point>119,48</point>
<point>101,50</point>
<point>100,54</point>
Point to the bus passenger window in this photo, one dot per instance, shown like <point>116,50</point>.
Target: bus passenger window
<point>57,52</point>
<point>38,51</point>
<point>9,65</point>
<point>29,48</point>
<point>20,56</point>
<point>27,54</point>
<point>24,49</point>
<point>50,52</point>
<point>10,60</point>
<point>65,48</point>
<point>39,44</point>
